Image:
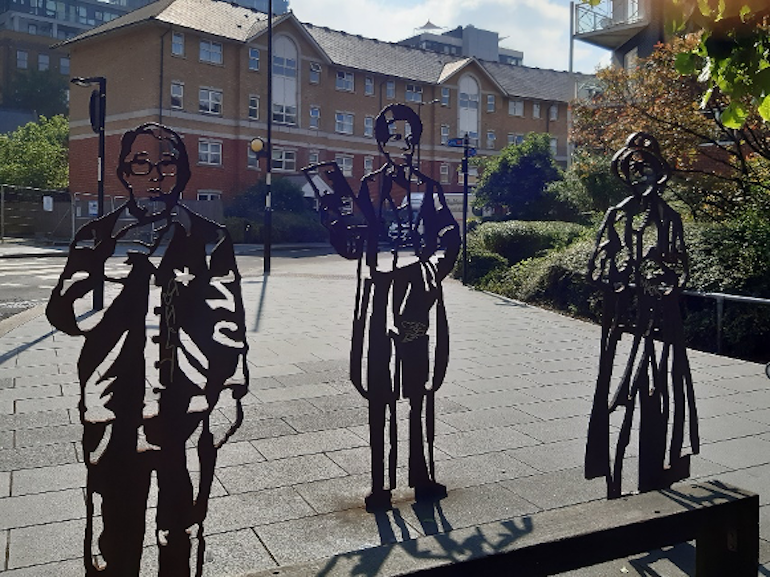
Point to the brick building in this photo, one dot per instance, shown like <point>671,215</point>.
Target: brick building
<point>199,67</point>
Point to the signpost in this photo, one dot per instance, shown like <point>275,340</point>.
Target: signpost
<point>468,152</point>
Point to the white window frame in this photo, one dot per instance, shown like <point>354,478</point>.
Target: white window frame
<point>43,62</point>
<point>253,107</point>
<point>491,138</point>
<point>64,65</point>
<point>553,112</point>
<point>446,96</point>
<point>345,162</point>
<point>516,107</point>
<point>345,81</point>
<point>535,110</point>
<point>313,157</point>
<point>208,103</point>
<point>22,59</point>
<point>284,160</point>
<point>252,159</point>
<point>179,96</point>
<point>315,117</point>
<point>490,103</point>
<point>284,114</point>
<point>369,126</point>
<point>390,89</point>
<point>369,86</point>
<point>554,142</point>
<point>210,152</point>
<point>314,77</point>
<point>208,195</point>
<point>445,128</point>
<point>343,122</point>
<point>368,164</point>
<point>413,92</point>
<point>444,173</point>
<point>211,52</point>
<point>177,44</point>
<point>254,56</point>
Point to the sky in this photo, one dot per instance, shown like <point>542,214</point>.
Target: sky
<point>539,28</point>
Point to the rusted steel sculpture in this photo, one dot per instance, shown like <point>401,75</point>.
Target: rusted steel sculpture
<point>640,264</point>
<point>398,299</point>
<point>137,422</point>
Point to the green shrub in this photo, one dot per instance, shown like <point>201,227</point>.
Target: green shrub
<point>481,263</point>
<point>286,227</point>
<point>519,240</point>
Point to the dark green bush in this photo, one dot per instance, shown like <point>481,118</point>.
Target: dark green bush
<point>286,227</point>
<point>517,240</point>
<point>481,262</point>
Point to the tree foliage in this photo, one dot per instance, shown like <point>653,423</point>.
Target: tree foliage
<point>36,154</point>
<point>44,91</point>
<point>285,196</point>
<point>716,166</point>
<point>516,178</point>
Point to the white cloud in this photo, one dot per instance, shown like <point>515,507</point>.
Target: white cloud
<point>539,28</point>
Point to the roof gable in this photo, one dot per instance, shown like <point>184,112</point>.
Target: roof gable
<point>260,28</point>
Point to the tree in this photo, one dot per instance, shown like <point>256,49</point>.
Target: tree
<point>285,196</point>
<point>516,178</point>
<point>717,170</point>
<point>44,91</point>
<point>36,154</point>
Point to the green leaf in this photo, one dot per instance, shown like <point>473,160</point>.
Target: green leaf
<point>720,11</point>
<point>704,7</point>
<point>745,11</point>
<point>762,82</point>
<point>734,115</point>
<point>706,97</point>
<point>685,63</point>
<point>764,108</point>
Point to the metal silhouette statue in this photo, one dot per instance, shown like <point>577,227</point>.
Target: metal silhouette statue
<point>138,420</point>
<point>398,296</point>
<point>640,264</point>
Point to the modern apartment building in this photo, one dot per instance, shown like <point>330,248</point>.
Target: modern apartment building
<point>465,41</point>
<point>199,66</point>
<point>629,28</point>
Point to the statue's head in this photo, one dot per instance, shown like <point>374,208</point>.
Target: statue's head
<point>397,129</point>
<point>640,166</point>
<point>153,163</point>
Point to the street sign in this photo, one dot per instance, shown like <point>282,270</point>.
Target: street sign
<point>456,142</point>
<point>471,152</point>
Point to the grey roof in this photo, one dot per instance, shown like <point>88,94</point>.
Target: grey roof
<point>231,21</point>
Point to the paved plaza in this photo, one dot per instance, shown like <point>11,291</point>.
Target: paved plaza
<point>511,420</point>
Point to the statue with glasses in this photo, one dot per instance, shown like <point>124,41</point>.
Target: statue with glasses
<point>163,366</point>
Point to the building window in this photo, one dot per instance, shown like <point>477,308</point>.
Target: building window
<point>515,138</point>
<point>413,93</point>
<point>284,81</point>
<point>285,160</point>
<point>554,146</point>
<point>369,126</point>
<point>468,108</point>
<point>490,102</point>
<point>343,123</point>
<point>345,81</point>
<point>43,62</point>
<point>177,95</point>
<point>535,110</point>
<point>253,107</point>
<point>210,101</point>
<point>64,65</point>
<point>444,133</point>
<point>31,28</point>
<point>252,160</point>
<point>345,163</point>
<point>516,107</point>
<point>313,157</point>
<point>553,112</point>
<point>211,52</point>
<point>491,139</point>
<point>22,59</point>
<point>253,58</point>
<point>315,117</point>
<point>177,44</point>
<point>209,194</point>
<point>369,86</point>
<point>390,89</point>
<point>444,96</point>
<point>368,164</point>
<point>473,138</point>
<point>315,73</point>
<point>210,152</point>
<point>444,173</point>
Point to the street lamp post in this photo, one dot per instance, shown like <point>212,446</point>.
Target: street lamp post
<point>97,113</point>
<point>466,147</point>
<point>269,152</point>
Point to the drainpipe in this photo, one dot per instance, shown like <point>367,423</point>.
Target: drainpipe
<point>160,75</point>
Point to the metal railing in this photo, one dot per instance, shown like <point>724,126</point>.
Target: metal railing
<point>607,15</point>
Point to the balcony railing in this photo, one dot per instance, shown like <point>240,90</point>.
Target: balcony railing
<point>607,15</point>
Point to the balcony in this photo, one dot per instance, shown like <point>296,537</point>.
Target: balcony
<point>610,24</point>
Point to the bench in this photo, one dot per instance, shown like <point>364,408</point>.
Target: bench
<point>722,519</point>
